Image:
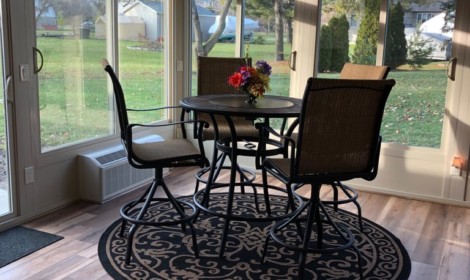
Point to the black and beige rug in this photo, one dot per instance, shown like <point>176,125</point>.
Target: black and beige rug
<point>166,252</point>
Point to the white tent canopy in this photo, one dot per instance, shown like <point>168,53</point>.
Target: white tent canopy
<point>434,25</point>
<point>230,25</point>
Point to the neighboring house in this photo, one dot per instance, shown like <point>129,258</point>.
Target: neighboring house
<point>206,20</point>
<point>130,28</point>
<point>151,14</point>
<point>47,19</point>
<point>416,14</point>
<point>431,30</point>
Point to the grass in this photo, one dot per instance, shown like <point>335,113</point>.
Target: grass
<point>74,104</point>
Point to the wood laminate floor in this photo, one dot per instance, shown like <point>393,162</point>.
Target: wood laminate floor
<point>436,236</point>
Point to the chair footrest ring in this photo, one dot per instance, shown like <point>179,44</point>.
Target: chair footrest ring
<point>255,217</point>
<point>129,218</point>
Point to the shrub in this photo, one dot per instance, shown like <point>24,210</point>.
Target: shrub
<point>396,49</point>
<point>260,40</point>
<point>339,27</point>
<point>419,50</point>
<point>325,48</point>
<point>366,44</point>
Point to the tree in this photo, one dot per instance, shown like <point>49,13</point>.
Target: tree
<point>203,49</point>
<point>396,49</point>
<point>449,9</point>
<point>283,12</point>
<point>419,50</point>
<point>279,30</point>
<point>340,36</point>
<point>366,44</point>
<point>71,8</point>
<point>325,49</point>
<point>347,7</point>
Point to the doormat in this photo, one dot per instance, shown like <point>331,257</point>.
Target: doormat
<point>20,241</point>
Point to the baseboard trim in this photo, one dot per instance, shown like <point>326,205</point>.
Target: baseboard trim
<point>19,220</point>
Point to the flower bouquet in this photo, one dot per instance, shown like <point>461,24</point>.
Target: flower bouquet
<point>254,81</point>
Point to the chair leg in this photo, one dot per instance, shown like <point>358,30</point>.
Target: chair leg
<point>344,237</point>
<point>140,200</point>
<point>335,195</point>
<point>180,211</point>
<point>282,224</point>
<point>313,214</point>
<point>266,191</point>
<point>229,208</point>
<point>147,202</point>
<point>358,206</point>
<point>130,235</point>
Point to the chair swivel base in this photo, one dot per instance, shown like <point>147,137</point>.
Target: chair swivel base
<point>130,213</point>
<point>313,219</point>
<point>351,194</point>
<point>232,211</point>
<point>202,202</point>
<point>246,176</point>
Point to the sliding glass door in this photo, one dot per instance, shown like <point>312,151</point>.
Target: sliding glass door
<point>415,39</point>
<point>7,194</point>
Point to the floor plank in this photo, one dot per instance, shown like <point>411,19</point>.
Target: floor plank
<point>437,237</point>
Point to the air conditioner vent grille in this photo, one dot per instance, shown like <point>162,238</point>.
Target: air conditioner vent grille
<point>111,157</point>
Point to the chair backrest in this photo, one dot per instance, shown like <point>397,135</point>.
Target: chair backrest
<point>213,73</point>
<point>364,72</point>
<point>119,97</point>
<point>339,128</point>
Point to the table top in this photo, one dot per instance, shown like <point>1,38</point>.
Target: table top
<point>269,106</point>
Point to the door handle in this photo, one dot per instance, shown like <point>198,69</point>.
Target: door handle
<point>7,90</point>
<point>450,68</point>
<point>292,60</point>
<point>36,51</point>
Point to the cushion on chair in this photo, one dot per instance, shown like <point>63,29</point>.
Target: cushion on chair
<point>363,72</point>
<point>164,149</point>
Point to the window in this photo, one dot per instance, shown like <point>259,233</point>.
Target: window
<point>72,37</point>
<point>73,101</point>
<point>142,57</point>
<point>261,40</point>
<point>422,17</point>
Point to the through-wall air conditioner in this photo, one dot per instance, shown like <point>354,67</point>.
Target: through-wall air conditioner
<point>106,173</point>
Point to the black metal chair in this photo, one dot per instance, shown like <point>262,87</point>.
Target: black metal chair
<point>338,140</point>
<point>350,71</point>
<point>157,156</point>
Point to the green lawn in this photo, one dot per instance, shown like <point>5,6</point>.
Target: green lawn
<point>74,104</point>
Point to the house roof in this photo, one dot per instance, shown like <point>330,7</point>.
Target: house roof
<point>49,12</point>
<point>123,19</point>
<point>158,8</point>
<point>201,11</point>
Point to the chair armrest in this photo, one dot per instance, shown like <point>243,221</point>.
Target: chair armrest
<point>264,128</point>
<point>284,142</point>
<point>153,109</point>
<point>293,125</point>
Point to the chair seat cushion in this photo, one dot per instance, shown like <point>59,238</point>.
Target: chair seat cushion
<point>169,150</point>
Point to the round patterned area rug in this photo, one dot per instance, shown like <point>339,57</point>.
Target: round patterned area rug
<point>167,253</point>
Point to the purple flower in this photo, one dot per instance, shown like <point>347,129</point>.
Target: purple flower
<point>246,75</point>
<point>263,67</point>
